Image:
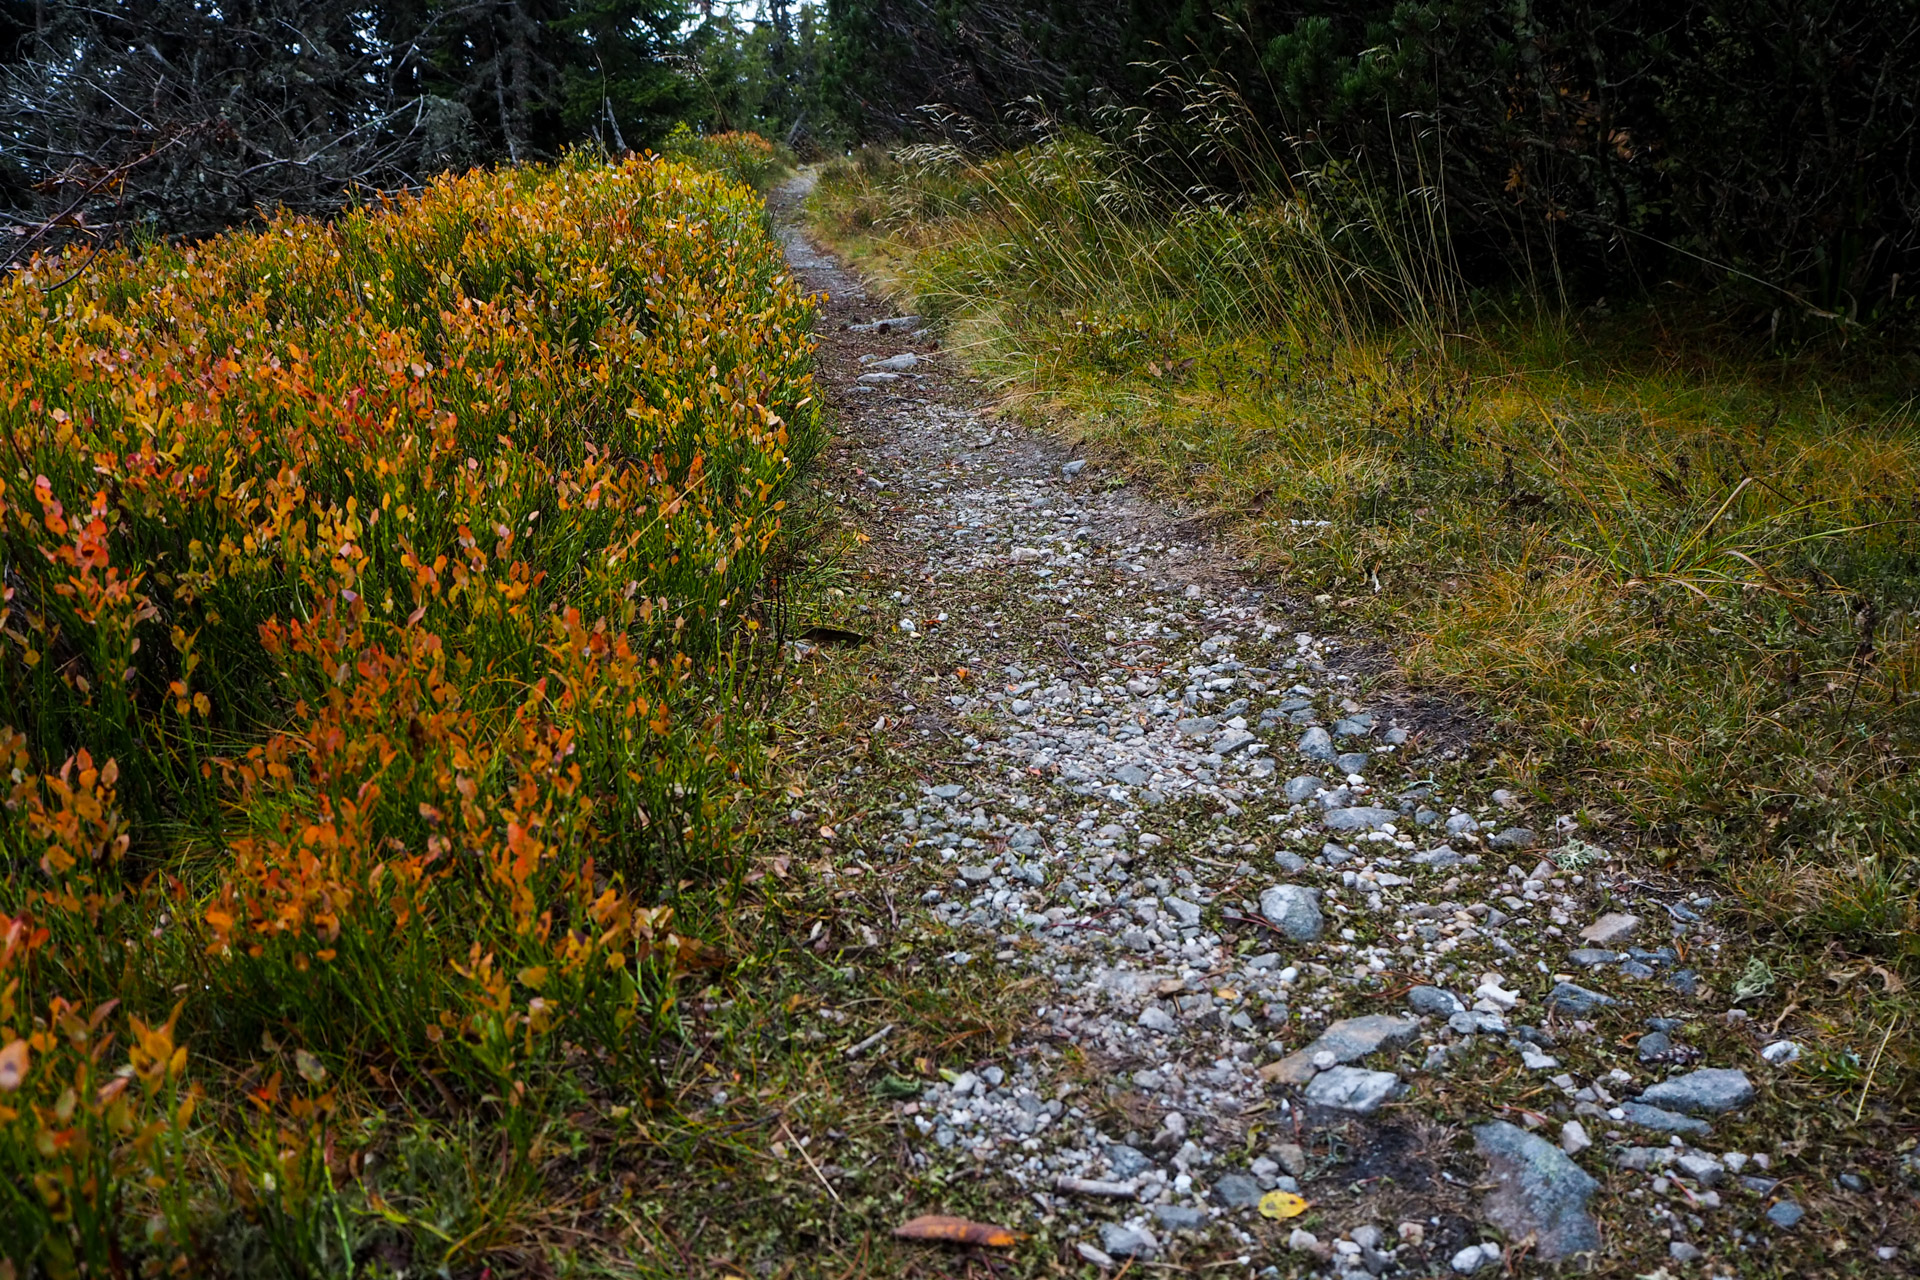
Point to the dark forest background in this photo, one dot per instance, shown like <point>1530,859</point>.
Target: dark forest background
<point>1765,145</point>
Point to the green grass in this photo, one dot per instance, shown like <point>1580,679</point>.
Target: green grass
<point>1682,570</point>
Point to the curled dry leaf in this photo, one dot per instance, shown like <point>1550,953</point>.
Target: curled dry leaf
<point>939,1226</point>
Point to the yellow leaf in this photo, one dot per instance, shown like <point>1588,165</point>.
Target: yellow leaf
<point>535,977</point>
<point>1282,1205</point>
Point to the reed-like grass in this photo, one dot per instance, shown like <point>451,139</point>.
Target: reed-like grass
<point>1684,568</point>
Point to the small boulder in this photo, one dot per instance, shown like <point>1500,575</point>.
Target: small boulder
<point>1294,910</point>
<point>1539,1192</point>
<point>1316,744</point>
<point>1353,1089</point>
<point>1709,1091</point>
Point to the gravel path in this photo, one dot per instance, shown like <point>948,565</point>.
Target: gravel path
<point>1275,935</point>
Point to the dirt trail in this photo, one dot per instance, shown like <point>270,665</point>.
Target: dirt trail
<point>1275,935</point>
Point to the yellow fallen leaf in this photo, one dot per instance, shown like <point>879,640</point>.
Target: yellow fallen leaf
<point>1281,1204</point>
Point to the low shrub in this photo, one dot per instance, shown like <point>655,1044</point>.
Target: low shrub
<point>374,600</point>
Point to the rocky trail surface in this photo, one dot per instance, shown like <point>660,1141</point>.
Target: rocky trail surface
<point>1274,926</point>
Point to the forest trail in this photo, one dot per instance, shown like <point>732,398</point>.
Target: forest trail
<point>1270,926</point>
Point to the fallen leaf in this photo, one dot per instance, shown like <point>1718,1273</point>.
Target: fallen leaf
<point>1282,1205</point>
<point>938,1226</point>
<point>13,1065</point>
<point>308,1066</point>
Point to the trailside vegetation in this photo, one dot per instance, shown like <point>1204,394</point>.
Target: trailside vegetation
<point>379,606</point>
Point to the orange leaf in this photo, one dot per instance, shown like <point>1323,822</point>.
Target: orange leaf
<point>938,1226</point>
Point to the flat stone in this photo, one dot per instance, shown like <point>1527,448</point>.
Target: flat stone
<point>1291,1156</point>
<point>1352,762</point>
<point>1180,909</point>
<point>1512,838</point>
<point>1197,726</point>
<point>1294,910</point>
<point>1232,740</point>
<point>1708,1091</point>
<point>888,325</point>
<point>1540,1193</point>
<point>1348,1040</point>
<point>1304,787</point>
<point>1611,929</point>
<point>1444,856</point>
<point>1074,468</point>
<point>1123,1241</point>
<point>1288,861</point>
<point>1434,1002</point>
<point>948,791</point>
<point>1353,1089</point>
<point>897,364</point>
<point>1154,1018</point>
<point>1786,1215</point>
<point>1352,727</point>
<point>1654,1046</point>
<point>1592,957</point>
<point>1127,1162</point>
<point>1316,744</point>
<point>1359,818</point>
<point>1642,1116</point>
<point>1571,997</point>
<point>1703,1169</point>
<point>1176,1217</point>
<point>1133,775</point>
<point>1237,1191</point>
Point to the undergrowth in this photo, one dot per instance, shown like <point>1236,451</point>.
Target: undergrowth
<point>1686,567</point>
<point>378,664</point>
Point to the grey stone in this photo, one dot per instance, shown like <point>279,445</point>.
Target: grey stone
<point>1334,854</point>
<point>1133,775</point>
<point>1123,1241</point>
<point>1681,1251</point>
<point>1154,1018</point>
<point>1353,1089</point>
<point>1177,1217</point>
<point>1304,787</point>
<point>1654,1046</point>
<point>1709,1091</point>
<point>1444,856</point>
<point>897,364</point>
<point>1469,1022</point>
<point>1197,726</point>
<point>1073,468</point>
<point>1291,863</point>
<point>1236,1191</point>
<point>1347,1040</point>
<point>1611,929</point>
<point>948,791</point>
<point>1291,1156</point>
<point>1232,740</point>
<point>1686,982</point>
<point>1512,838</point>
<point>1703,1169</point>
<point>1786,1215</point>
<point>1294,910</point>
<point>976,875</point>
<point>1540,1193</point>
<point>1316,744</point>
<point>1352,762</point>
<point>1434,1002</point>
<point>1635,970</point>
<point>1351,727</point>
<point>1592,957</point>
<point>1462,824</point>
<point>1185,912</point>
<point>888,325</point>
<point>1359,818</point>
<point>1642,1116</point>
<point>1571,997</point>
